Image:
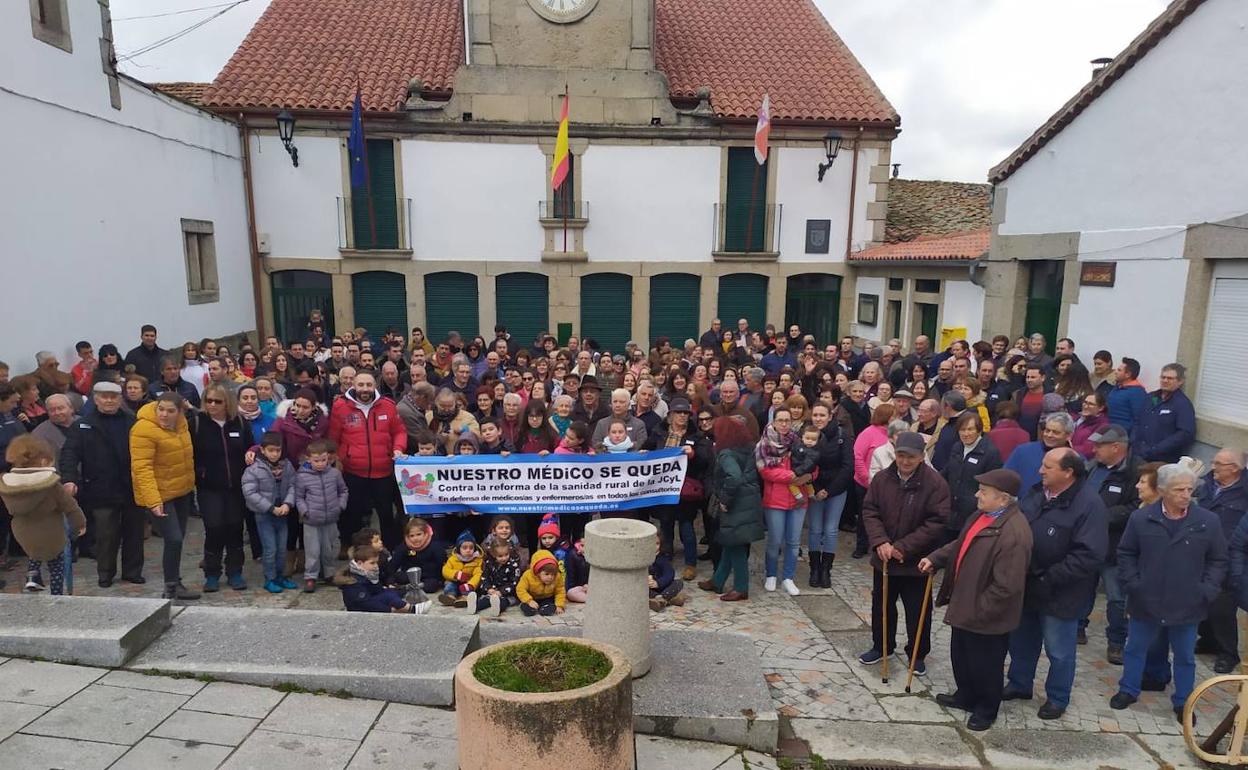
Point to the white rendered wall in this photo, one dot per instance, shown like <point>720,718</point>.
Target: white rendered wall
<point>93,199</point>
<point>964,306</point>
<point>805,197</point>
<point>1164,145</point>
<point>297,208</point>
<point>874,286</point>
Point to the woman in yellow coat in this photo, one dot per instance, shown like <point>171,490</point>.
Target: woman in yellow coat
<point>162,467</point>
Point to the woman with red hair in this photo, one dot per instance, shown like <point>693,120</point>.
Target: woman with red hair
<point>738,500</point>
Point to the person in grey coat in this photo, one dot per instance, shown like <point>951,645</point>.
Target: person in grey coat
<point>320,497</point>
<point>268,490</point>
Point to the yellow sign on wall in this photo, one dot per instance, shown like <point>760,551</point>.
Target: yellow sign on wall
<point>950,333</point>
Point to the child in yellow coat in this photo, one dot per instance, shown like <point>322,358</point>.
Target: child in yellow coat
<point>462,572</point>
<point>541,589</point>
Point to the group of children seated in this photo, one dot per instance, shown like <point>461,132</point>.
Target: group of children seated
<point>482,578</point>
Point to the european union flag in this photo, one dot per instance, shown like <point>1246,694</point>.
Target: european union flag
<point>355,144</point>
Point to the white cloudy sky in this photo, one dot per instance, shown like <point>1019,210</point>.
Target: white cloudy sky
<point>970,78</point>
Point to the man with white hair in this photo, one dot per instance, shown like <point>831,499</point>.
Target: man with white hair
<point>1225,492</point>
<point>648,407</point>
<point>1025,460</point>
<point>636,429</point>
<point>510,424</point>
<point>1171,562</point>
<point>60,417</point>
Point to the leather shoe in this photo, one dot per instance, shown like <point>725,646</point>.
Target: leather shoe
<point>734,596</point>
<point>106,583</point>
<point>978,723</point>
<point>1225,664</point>
<point>1113,654</point>
<point>138,580</point>
<point>1178,714</point>
<point>1152,685</point>
<point>950,701</point>
<point>1008,694</point>
<point>1081,637</point>
<point>1121,700</point>
<point>708,585</point>
<point>1049,711</point>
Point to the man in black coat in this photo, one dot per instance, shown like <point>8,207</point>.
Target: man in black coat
<point>1070,537</point>
<point>146,358</point>
<point>1113,472</point>
<point>1225,492</point>
<point>95,466</point>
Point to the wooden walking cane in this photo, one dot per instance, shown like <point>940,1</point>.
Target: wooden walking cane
<point>914,653</point>
<point>884,624</point>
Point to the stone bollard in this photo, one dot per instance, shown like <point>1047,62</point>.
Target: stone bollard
<point>619,552</point>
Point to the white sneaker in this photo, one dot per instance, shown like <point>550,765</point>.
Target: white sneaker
<point>472,602</point>
<point>496,606</point>
<point>422,608</point>
<point>32,585</point>
<point>769,584</point>
<point>790,588</point>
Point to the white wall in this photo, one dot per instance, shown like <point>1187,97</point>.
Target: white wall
<point>650,203</point>
<point>1162,146</point>
<point>805,197</point>
<point>298,208</point>
<point>877,287</point>
<point>964,306</point>
<point>93,198</point>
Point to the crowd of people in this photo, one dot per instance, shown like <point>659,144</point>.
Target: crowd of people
<point>1028,478</point>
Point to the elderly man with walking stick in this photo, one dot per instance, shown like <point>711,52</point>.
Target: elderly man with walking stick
<point>985,578</point>
<point>904,514</point>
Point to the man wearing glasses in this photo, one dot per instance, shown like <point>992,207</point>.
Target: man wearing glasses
<point>1167,427</point>
<point>1225,492</point>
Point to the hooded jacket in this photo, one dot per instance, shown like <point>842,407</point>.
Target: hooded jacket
<point>367,435</point>
<point>320,496</point>
<point>530,588</point>
<point>457,569</point>
<point>263,491</point>
<point>39,505</point>
<point>737,490</point>
<point>162,462</point>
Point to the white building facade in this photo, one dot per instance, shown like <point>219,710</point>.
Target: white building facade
<point>120,206</point>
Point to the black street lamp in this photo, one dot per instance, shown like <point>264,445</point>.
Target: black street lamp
<point>286,130</point>
<point>831,147</point>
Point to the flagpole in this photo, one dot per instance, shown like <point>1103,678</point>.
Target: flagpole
<point>565,179</point>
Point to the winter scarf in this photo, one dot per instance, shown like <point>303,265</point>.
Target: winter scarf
<point>371,575</point>
<point>613,447</point>
<point>773,448</point>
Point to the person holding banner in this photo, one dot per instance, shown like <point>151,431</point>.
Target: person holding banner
<point>737,500</point>
<point>679,431</point>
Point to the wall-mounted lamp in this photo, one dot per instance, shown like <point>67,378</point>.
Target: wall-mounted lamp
<point>831,147</point>
<point>286,130</point>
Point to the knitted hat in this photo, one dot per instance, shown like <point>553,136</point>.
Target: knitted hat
<point>464,537</point>
<point>549,525</point>
<point>540,559</point>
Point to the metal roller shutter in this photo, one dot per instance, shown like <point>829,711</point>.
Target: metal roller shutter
<point>1219,391</point>
<point>607,309</point>
<point>675,302</point>
<point>743,295</point>
<point>380,301</point>
<point>451,304</point>
<point>522,303</point>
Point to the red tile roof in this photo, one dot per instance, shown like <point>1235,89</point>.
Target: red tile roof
<point>743,48</point>
<point>960,247</point>
<point>306,54</point>
<point>187,92</point>
<point>1121,64</point>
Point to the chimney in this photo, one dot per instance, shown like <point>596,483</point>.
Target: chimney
<point>1099,65</point>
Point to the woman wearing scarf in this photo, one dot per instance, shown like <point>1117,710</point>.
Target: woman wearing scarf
<point>783,513</point>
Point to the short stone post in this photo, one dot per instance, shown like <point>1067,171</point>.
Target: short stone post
<point>619,552</point>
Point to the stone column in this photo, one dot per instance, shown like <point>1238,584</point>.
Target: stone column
<point>619,552</point>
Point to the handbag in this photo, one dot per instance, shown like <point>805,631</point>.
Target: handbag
<point>692,491</point>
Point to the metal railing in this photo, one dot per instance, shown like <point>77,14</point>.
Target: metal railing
<point>746,229</point>
<point>563,210</point>
<point>374,223</point>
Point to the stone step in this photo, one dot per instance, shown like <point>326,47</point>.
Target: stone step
<point>403,658</point>
<point>703,685</point>
<point>88,630</point>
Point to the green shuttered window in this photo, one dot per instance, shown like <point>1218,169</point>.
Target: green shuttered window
<point>376,226</point>
<point>743,295</point>
<point>451,304</point>
<point>674,307</point>
<point>607,309</point>
<point>523,305</point>
<point>380,300</point>
<point>745,208</point>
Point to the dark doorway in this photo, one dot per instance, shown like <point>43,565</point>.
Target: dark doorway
<point>295,294</point>
<point>1044,300</point>
<point>813,302</point>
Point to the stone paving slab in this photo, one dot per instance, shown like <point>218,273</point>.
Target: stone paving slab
<point>417,720</point>
<point>108,715</point>
<point>657,752</point>
<point>90,630</point>
<point>240,700</point>
<point>15,716</point>
<point>1031,750</point>
<point>927,746</point>
<point>1172,750</point>
<point>198,727</point>
<point>36,752</point>
<point>165,753</point>
<point>366,655</point>
<point>304,714</point>
<point>830,613</point>
<point>43,684</point>
<point>136,681</point>
<point>267,750</point>
<point>908,708</point>
<point>408,752</point>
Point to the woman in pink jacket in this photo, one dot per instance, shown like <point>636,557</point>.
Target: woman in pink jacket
<point>872,438</point>
<point>783,513</point>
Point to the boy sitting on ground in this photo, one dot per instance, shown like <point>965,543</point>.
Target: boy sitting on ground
<point>541,589</point>
<point>462,571</point>
<point>360,582</point>
<point>665,587</point>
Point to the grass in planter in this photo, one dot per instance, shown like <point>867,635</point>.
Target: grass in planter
<point>552,666</point>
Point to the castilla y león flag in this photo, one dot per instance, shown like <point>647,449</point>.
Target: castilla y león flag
<point>559,166</point>
<point>762,130</point>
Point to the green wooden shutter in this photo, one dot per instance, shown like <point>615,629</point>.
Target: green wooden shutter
<point>522,304</point>
<point>295,294</point>
<point>675,302</point>
<point>746,200</point>
<point>743,295</point>
<point>451,304</point>
<point>813,302</point>
<point>607,309</point>
<point>380,301</point>
<point>381,192</point>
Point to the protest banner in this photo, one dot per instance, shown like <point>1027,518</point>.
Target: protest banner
<point>526,483</point>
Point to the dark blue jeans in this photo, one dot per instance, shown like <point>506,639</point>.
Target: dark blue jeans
<point>1115,607</point>
<point>1145,656</point>
<point>1057,635</point>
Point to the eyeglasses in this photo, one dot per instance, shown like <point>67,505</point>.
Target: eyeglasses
<point>214,401</point>
<point>705,419</point>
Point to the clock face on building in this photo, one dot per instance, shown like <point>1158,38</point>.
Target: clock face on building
<point>563,11</point>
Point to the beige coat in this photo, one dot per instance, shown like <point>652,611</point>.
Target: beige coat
<point>39,506</point>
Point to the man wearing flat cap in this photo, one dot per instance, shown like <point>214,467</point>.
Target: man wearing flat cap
<point>985,580</point>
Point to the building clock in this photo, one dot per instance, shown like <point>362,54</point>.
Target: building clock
<point>563,11</point>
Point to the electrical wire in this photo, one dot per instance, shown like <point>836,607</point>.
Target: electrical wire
<point>171,13</point>
<point>180,34</point>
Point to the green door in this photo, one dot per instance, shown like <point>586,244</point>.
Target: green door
<point>813,302</point>
<point>380,301</point>
<point>607,310</point>
<point>743,295</point>
<point>927,320</point>
<point>675,301</point>
<point>295,294</point>
<point>1044,300</point>
<point>451,304</point>
<point>375,207</point>
<point>523,304</point>
<point>745,206</point>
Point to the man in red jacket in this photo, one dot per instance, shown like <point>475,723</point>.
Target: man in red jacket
<point>369,435</point>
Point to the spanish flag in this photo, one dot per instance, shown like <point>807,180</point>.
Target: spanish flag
<point>559,166</point>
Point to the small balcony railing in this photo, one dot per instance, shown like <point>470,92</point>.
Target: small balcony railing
<point>563,210</point>
<point>374,223</point>
<point>746,229</point>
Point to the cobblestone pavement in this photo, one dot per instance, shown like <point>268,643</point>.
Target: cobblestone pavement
<point>808,647</point>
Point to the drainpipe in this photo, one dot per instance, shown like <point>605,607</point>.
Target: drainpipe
<point>252,242</point>
<point>853,189</point>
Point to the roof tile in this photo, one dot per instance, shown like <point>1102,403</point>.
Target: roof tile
<point>919,208</point>
<point>959,247</point>
<point>186,91</point>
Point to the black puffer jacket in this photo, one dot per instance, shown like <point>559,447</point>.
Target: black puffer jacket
<point>960,471</point>
<point>220,451</point>
<point>836,461</point>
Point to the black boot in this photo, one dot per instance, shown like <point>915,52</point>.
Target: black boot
<point>825,577</point>
<point>816,568</point>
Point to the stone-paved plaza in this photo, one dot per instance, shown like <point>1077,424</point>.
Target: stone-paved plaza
<point>831,707</point>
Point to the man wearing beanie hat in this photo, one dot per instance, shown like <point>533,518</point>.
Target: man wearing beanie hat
<point>985,580</point>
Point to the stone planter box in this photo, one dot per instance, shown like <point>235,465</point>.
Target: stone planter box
<point>589,727</point>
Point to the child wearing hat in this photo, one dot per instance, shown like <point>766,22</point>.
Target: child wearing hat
<point>462,572</point>
<point>541,589</point>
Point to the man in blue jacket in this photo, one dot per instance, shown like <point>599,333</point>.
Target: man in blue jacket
<point>1026,459</point>
<point>1128,397</point>
<point>1171,562</point>
<point>1167,425</point>
<point>1225,493</point>
<point>1070,536</point>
